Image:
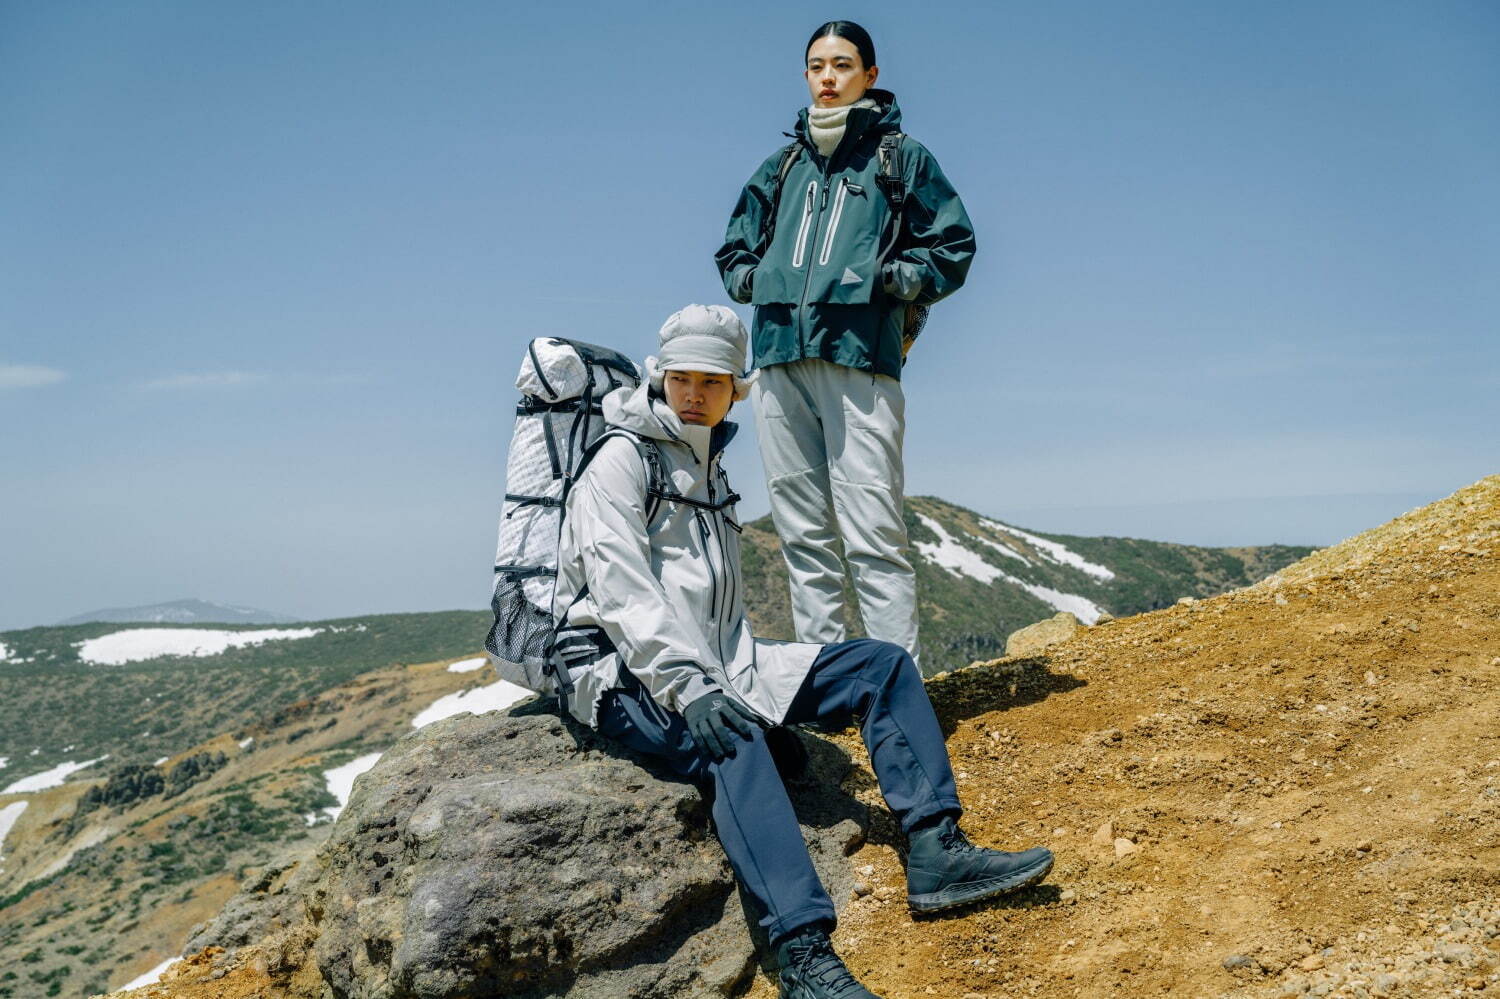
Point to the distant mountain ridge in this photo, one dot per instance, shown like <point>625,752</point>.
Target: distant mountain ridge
<point>979,579</point>
<point>186,611</point>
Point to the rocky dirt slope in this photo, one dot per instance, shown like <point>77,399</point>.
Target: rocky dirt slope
<point>1291,789</point>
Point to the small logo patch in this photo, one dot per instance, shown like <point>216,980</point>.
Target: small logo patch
<point>850,277</point>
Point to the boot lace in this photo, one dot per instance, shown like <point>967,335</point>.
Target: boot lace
<point>817,964</point>
<point>953,839</point>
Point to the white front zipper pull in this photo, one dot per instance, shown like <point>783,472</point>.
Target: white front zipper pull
<point>800,249</point>
<point>833,221</point>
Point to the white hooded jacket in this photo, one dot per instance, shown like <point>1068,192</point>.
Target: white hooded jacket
<point>668,594</point>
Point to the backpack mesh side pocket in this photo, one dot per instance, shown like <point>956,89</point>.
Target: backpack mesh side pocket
<point>517,642</point>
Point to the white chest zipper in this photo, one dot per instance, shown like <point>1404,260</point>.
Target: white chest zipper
<point>800,250</point>
<point>833,220</point>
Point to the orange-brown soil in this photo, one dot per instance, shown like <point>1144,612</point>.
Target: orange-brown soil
<point>1262,775</point>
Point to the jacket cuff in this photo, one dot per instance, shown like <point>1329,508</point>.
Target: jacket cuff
<point>696,687</point>
<point>743,280</point>
<point>901,280</point>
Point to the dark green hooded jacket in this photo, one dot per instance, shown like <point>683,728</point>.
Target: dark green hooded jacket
<point>819,289</point>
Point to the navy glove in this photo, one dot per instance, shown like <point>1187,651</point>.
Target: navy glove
<point>714,720</point>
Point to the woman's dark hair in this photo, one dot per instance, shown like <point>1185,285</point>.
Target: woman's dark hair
<point>859,37</point>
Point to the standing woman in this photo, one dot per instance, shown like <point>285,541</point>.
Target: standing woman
<point>840,241</point>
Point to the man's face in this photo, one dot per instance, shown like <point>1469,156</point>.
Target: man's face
<point>835,75</point>
<point>699,398</point>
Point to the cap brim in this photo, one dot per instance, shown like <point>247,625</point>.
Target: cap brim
<point>703,366</point>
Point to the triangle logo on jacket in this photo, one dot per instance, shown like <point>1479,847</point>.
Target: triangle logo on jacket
<point>850,277</point>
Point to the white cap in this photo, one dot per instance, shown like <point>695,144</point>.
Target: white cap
<point>703,338</point>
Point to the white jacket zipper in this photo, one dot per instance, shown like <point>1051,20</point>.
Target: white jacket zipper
<point>833,221</point>
<point>800,250</point>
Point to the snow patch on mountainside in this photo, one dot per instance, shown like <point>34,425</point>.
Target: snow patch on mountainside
<point>953,556</point>
<point>963,561</point>
<point>340,780</point>
<point>1080,607</point>
<point>1058,553</point>
<point>8,816</point>
<point>4,652</point>
<point>467,665</point>
<point>49,778</point>
<point>477,700</point>
<point>151,977</point>
<point>136,644</point>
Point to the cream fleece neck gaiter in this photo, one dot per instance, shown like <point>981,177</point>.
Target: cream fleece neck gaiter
<point>826,125</point>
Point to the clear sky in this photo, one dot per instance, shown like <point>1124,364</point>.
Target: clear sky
<point>267,269</point>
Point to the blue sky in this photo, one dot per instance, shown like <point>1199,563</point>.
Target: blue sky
<point>266,270</point>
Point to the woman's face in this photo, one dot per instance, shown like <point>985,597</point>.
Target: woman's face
<point>835,74</point>
<point>699,398</point>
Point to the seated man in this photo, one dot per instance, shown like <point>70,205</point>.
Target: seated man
<point>684,679</point>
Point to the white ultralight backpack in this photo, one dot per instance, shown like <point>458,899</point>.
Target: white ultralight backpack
<point>558,418</point>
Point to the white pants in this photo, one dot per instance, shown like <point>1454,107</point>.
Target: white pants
<point>830,439</point>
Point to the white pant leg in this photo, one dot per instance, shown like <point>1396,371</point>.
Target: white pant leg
<point>864,423</point>
<point>792,449</point>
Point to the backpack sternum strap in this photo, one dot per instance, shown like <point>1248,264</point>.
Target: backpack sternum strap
<point>675,497</point>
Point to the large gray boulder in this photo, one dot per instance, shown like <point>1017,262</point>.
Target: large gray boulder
<point>515,855</point>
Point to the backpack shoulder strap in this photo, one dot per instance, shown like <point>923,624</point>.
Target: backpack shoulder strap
<point>784,167</point>
<point>892,182</point>
<point>657,488</point>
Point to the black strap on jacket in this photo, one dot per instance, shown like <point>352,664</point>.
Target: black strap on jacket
<point>892,183</point>
<point>768,224</point>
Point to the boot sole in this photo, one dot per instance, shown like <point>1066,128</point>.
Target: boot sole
<point>978,891</point>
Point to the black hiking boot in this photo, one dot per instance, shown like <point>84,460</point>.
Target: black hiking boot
<point>811,970</point>
<point>943,869</point>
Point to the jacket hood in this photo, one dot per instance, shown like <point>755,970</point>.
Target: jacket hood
<point>642,412</point>
<point>885,116</point>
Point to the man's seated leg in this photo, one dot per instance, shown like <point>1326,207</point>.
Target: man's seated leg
<point>752,814</point>
<point>760,834</point>
<point>878,683</point>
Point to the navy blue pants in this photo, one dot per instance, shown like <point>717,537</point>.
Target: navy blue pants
<point>874,682</point>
